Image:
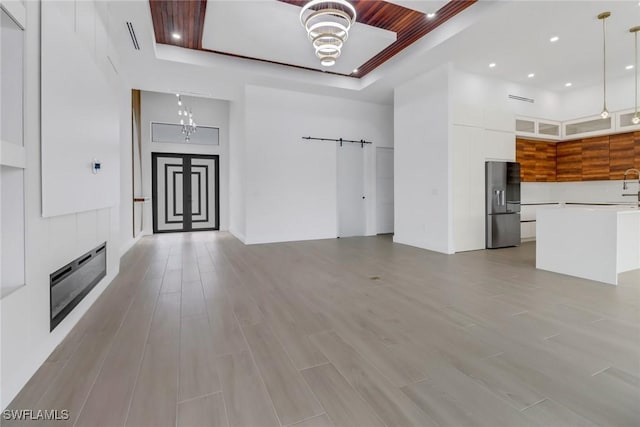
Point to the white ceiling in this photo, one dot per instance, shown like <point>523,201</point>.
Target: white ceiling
<point>424,6</point>
<point>514,34</point>
<point>516,37</point>
<point>271,30</point>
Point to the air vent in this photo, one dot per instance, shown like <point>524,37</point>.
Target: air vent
<point>522,98</point>
<point>132,33</point>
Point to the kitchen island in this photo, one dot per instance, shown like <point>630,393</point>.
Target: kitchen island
<point>592,242</point>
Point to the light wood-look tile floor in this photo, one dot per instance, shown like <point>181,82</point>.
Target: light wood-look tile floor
<point>200,330</point>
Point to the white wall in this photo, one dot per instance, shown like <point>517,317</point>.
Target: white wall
<point>422,164</point>
<point>77,82</point>
<point>583,102</point>
<point>52,242</point>
<point>237,172</point>
<point>290,182</point>
<point>481,91</point>
<point>163,107</point>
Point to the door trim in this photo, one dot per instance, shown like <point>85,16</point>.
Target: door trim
<point>186,185</point>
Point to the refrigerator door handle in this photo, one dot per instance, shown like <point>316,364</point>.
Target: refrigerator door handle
<point>502,200</point>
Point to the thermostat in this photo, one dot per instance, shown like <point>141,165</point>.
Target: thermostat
<point>96,166</point>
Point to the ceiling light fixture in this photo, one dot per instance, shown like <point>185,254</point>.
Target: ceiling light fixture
<point>431,15</point>
<point>554,39</point>
<point>531,75</point>
<point>603,17</point>
<point>629,67</point>
<point>568,84</point>
<point>636,119</point>
<point>492,65</point>
<point>186,114</point>
<point>176,36</point>
<point>327,23</point>
<point>355,70</point>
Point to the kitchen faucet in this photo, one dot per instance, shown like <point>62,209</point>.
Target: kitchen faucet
<point>626,186</point>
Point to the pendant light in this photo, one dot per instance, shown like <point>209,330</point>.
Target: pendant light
<point>603,17</point>
<point>636,119</point>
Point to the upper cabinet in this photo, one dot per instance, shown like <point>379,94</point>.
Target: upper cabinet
<point>588,126</point>
<point>622,154</point>
<point>598,158</point>
<point>534,128</point>
<point>537,160</point>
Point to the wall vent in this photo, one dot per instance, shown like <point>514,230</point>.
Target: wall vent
<point>521,98</point>
<point>132,33</point>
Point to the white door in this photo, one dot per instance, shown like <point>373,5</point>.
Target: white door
<point>384,190</point>
<point>351,202</point>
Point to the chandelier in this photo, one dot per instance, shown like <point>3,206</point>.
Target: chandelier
<point>327,23</point>
<point>186,119</point>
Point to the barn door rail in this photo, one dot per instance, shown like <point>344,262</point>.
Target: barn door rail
<point>340,140</point>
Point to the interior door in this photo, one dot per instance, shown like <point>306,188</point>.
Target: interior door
<point>384,190</point>
<point>185,192</point>
<point>351,203</point>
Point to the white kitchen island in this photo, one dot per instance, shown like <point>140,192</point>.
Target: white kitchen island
<point>592,242</point>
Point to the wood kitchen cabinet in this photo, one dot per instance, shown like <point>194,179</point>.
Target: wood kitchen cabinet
<point>595,159</point>
<point>637,149</point>
<point>622,154</point>
<point>537,160</point>
<point>599,158</point>
<point>569,161</point>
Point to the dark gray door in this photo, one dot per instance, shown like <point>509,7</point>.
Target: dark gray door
<point>185,192</point>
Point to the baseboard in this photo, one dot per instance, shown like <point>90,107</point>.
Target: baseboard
<point>124,249</point>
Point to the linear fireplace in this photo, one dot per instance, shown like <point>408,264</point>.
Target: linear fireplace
<point>71,283</point>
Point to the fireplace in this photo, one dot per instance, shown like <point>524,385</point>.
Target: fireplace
<point>70,284</point>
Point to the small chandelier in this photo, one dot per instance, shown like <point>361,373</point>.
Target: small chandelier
<point>186,119</point>
<point>603,16</point>
<point>636,119</point>
<point>327,23</point>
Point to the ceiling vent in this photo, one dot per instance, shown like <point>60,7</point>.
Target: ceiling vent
<point>522,98</point>
<point>132,33</point>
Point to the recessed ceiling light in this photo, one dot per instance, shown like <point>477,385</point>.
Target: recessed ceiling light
<point>355,70</point>
<point>629,67</point>
<point>554,39</point>
<point>431,15</point>
<point>493,64</point>
<point>531,75</point>
<point>176,36</point>
<point>568,84</point>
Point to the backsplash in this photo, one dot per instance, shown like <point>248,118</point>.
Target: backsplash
<point>581,192</point>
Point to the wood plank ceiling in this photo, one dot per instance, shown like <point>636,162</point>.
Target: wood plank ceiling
<point>409,25</point>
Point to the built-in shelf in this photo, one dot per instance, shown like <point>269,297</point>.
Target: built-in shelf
<point>12,151</point>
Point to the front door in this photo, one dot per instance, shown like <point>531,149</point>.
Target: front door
<point>185,192</point>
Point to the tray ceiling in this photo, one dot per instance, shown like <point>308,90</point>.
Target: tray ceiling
<point>270,30</point>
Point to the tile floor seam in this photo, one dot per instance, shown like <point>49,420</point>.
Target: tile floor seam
<point>145,349</point>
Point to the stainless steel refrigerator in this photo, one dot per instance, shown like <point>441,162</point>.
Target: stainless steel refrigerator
<point>502,204</point>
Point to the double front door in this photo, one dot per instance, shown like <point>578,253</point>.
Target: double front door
<point>185,192</point>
